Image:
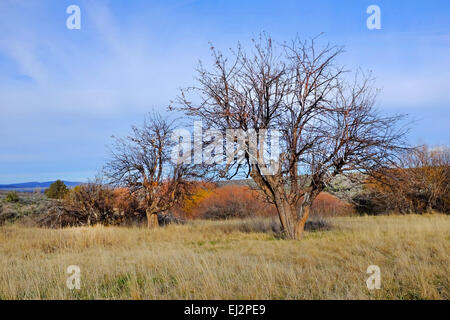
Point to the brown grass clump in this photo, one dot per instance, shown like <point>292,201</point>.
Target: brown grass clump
<point>223,260</point>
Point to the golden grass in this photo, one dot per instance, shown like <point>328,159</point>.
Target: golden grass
<point>214,260</point>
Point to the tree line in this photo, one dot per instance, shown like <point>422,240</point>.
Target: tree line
<point>328,126</point>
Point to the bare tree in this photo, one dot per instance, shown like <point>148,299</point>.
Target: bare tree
<point>92,203</point>
<point>420,183</point>
<point>328,125</point>
<point>142,163</point>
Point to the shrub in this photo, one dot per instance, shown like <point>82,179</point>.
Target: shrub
<point>190,204</point>
<point>420,184</point>
<point>328,205</point>
<point>87,204</point>
<point>7,214</point>
<point>123,201</point>
<point>240,201</point>
<point>57,190</point>
<point>96,203</point>
<point>93,203</point>
<point>231,202</point>
<point>12,197</point>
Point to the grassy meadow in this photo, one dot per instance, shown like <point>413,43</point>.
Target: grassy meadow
<point>235,259</point>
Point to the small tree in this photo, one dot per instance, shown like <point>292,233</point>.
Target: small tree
<point>57,190</point>
<point>141,162</point>
<point>93,203</point>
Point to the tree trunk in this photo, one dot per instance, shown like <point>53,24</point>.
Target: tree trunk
<point>293,227</point>
<point>300,225</point>
<point>293,221</point>
<point>303,213</point>
<point>152,220</point>
<point>286,221</point>
<point>287,215</point>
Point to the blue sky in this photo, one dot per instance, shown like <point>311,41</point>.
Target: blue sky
<point>63,93</point>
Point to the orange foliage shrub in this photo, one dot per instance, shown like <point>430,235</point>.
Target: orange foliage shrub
<point>237,201</point>
<point>329,205</point>
<point>124,201</point>
<point>421,185</point>
<point>190,204</point>
<point>227,202</point>
<point>96,203</point>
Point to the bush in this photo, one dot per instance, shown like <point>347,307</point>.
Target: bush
<point>7,214</point>
<point>57,190</point>
<point>232,202</point>
<point>12,197</point>
<point>240,201</point>
<point>420,184</point>
<point>328,205</point>
<point>94,203</point>
<point>88,204</point>
<point>126,203</point>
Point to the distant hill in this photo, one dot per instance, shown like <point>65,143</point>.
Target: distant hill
<point>30,186</point>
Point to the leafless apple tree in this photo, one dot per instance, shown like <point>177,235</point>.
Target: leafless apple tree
<point>142,163</point>
<point>328,123</point>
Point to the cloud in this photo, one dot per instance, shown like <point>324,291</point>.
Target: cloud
<point>102,70</point>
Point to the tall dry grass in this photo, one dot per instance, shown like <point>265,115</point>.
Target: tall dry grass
<point>224,260</point>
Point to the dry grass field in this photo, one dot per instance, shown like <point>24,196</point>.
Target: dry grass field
<point>227,260</point>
